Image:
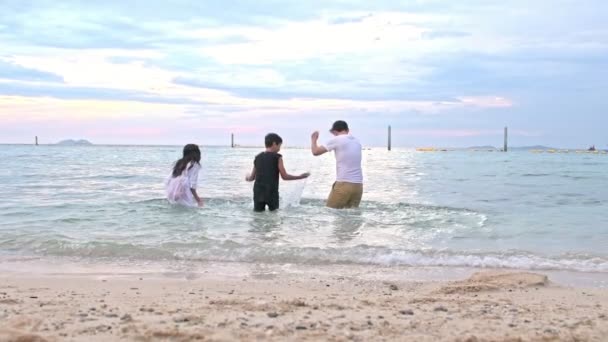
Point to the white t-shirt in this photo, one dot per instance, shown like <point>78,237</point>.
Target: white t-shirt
<point>348,158</point>
<point>178,188</point>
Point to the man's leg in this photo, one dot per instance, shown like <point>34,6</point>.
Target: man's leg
<point>356,193</point>
<point>338,197</point>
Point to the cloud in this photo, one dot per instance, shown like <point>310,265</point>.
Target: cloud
<point>86,93</point>
<point>382,32</point>
<point>348,20</point>
<point>444,34</point>
<point>430,65</point>
<point>298,90</point>
<point>37,108</point>
<point>13,71</point>
<point>101,26</point>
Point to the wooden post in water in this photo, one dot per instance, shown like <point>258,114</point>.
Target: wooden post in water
<point>506,139</point>
<point>232,140</point>
<point>36,141</point>
<point>389,137</point>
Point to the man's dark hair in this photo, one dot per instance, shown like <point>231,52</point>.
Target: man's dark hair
<point>339,126</point>
<point>272,138</point>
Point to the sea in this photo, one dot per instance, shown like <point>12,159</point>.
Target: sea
<point>105,204</point>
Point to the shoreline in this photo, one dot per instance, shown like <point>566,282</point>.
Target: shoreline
<point>227,302</point>
<point>76,267</point>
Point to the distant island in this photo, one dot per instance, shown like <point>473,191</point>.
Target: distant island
<point>71,142</point>
<point>536,147</point>
<point>515,148</point>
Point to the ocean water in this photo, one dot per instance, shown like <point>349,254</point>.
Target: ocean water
<point>462,209</point>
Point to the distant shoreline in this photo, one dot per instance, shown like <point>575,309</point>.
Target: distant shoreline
<point>473,148</point>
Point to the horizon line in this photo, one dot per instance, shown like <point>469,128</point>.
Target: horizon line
<point>294,147</point>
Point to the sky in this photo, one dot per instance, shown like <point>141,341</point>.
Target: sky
<point>441,73</point>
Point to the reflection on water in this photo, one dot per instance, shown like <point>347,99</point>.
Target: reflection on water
<point>347,225</point>
<point>266,226</point>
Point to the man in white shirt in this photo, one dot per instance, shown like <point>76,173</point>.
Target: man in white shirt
<point>348,188</point>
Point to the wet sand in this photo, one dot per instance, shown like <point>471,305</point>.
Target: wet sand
<point>487,306</point>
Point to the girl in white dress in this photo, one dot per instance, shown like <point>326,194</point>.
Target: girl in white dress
<point>180,186</point>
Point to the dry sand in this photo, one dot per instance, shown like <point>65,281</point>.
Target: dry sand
<point>488,306</point>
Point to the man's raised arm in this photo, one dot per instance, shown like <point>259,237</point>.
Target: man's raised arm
<point>314,146</point>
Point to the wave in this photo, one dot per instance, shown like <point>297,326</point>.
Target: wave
<point>208,250</point>
<point>227,230</point>
<point>387,257</point>
<point>536,175</point>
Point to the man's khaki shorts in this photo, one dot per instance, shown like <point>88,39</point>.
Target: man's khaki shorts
<point>345,195</point>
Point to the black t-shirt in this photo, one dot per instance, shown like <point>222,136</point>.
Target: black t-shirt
<point>266,186</point>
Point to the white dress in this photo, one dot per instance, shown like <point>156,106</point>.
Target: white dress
<point>178,188</point>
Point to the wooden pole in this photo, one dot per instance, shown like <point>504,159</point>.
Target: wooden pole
<point>36,140</point>
<point>506,139</point>
<point>389,137</point>
<point>232,140</point>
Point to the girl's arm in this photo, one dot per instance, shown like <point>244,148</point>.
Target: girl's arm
<point>287,176</point>
<point>193,180</point>
<point>198,199</point>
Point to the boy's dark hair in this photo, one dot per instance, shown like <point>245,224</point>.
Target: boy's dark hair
<point>272,138</point>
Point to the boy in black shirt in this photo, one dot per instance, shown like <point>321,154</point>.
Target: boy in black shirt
<point>266,169</point>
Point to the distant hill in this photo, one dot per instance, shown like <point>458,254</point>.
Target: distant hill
<point>536,147</point>
<point>71,142</point>
<point>512,148</point>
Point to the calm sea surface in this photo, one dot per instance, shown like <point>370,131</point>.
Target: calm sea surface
<point>469,209</point>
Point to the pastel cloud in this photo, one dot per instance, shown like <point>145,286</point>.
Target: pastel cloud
<point>445,69</point>
<point>40,108</point>
<point>12,71</point>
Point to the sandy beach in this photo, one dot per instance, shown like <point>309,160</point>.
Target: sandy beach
<point>304,306</point>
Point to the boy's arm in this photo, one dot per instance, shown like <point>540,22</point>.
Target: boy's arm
<point>286,176</point>
<point>314,147</point>
<point>251,176</point>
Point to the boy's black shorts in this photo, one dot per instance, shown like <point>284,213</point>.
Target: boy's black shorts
<point>272,203</point>
<point>264,195</point>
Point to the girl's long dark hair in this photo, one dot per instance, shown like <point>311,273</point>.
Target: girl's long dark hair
<point>191,154</point>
